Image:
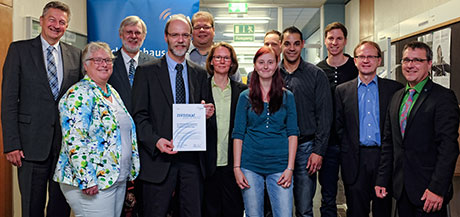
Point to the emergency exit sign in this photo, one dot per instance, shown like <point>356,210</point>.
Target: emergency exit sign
<point>238,8</point>
<point>243,33</point>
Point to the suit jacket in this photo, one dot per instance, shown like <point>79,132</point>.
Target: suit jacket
<point>152,112</point>
<point>211,152</point>
<point>91,146</point>
<point>426,156</point>
<point>347,121</point>
<point>30,117</point>
<point>119,79</point>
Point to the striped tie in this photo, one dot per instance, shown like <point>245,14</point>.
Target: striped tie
<point>405,110</point>
<point>131,72</point>
<point>52,72</point>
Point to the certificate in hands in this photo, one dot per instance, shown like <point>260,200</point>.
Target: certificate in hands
<point>189,127</point>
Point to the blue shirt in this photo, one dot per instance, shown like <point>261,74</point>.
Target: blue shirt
<point>172,77</point>
<point>265,136</point>
<point>369,114</point>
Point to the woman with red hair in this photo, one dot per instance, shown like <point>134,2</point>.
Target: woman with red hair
<point>265,139</point>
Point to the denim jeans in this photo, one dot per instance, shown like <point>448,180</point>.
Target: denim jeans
<point>253,197</point>
<point>305,184</point>
<point>328,178</point>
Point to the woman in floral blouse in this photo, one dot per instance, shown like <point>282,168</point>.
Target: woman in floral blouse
<point>99,148</point>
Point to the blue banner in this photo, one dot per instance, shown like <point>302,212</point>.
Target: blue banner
<point>104,18</point>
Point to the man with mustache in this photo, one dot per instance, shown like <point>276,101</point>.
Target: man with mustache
<point>158,85</point>
<point>36,73</point>
<point>132,34</point>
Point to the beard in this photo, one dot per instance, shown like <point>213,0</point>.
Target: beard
<point>131,49</point>
<point>177,52</point>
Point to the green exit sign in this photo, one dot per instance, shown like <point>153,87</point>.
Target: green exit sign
<point>243,29</point>
<point>237,7</point>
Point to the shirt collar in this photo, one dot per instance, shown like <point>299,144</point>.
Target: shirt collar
<point>172,64</point>
<point>127,58</point>
<point>45,44</point>
<point>375,81</point>
<point>213,83</point>
<point>418,87</point>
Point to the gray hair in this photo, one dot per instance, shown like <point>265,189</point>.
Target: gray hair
<point>131,21</point>
<point>93,47</point>
<point>178,17</point>
<point>57,5</point>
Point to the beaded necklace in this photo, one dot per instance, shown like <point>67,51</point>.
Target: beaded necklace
<point>109,91</point>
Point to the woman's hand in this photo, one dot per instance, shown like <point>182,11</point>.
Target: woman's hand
<point>91,191</point>
<point>285,179</point>
<point>241,180</point>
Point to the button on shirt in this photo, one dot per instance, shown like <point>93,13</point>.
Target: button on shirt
<point>222,99</point>
<point>172,77</point>
<point>369,114</point>
<point>57,59</point>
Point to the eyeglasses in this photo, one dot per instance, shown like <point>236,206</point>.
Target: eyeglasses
<point>225,58</point>
<point>177,35</point>
<point>202,27</point>
<point>367,57</point>
<point>98,61</point>
<point>136,33</point>
<point>415,61</point>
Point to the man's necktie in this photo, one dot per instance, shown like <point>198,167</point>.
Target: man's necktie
<point>180,86</point>
<point>131,72</point>
<point>52,72</point>
<point>405,111</point>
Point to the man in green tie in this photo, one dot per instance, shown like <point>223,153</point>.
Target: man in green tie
<point>420,146</point>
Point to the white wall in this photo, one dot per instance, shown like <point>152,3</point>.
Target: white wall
<point>33,8</point>
<point>352,24</point>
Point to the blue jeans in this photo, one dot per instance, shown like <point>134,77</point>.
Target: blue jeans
<point>328,178</point>
<point>305,185</point>
<point>253,197</point>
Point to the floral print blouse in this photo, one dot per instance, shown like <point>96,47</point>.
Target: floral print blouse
<point>91,143</point>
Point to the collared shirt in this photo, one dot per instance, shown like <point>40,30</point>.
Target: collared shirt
<point>195,56</point>
<point>172,76</point>
<point>57,53</point>
<point>127,58</point>
<point>313,102</point>
<point>369,113</point>
<point>418,88</point>
<point>222,101</point>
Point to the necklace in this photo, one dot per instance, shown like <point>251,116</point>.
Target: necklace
<point>109,91</point>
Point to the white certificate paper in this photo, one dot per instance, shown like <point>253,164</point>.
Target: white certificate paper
<point>189,127</point>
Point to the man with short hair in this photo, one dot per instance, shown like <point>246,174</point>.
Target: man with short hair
<point>361,105</point>
<point>314,107</point>
<point>132,33</point>
<point>203,39</point>
<point>339,68</point>
<point>36,73</point>
<point>157,86</point>
<point>420,148</point>
<point>271,39</point>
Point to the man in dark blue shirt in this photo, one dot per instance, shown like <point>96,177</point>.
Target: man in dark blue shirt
<point>361,105</point>
<point>314,107</point>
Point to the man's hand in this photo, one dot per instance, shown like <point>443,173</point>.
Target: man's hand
<point>433,202</point>
<point>380,192</point>
<point>91,191</point>
<point>209,109</point>
<point>165,146</point>
<point>314,163</point>
<point>15,157</point>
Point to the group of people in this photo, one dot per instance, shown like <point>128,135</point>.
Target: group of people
<point>80,137</point>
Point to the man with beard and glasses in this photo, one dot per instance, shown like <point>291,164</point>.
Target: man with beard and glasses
<point>36,73</point>
<point>203,39</point>
<point>132,33</point>
<point>158,85</point>
<point>314,108</point>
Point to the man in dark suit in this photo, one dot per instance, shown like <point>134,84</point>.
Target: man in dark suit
<point>361,105</point>
<point>36,73</point>
<point>132,34</point>
<point>420,146</point>
<point>157,86</point>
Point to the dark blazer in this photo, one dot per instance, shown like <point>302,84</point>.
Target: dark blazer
<point>347,121</point>
<point>152,113</point>
<point>119,79</point>
<point>30,116</point>
<point>211,152</point>
<point>426,156</point>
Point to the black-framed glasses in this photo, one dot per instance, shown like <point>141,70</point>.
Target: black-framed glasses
<point>177,35</point>
<point>98,61</point>
<point>225,58</point>
<point>202,27</point>
<point>414,60</point>
<point>362,57</point>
